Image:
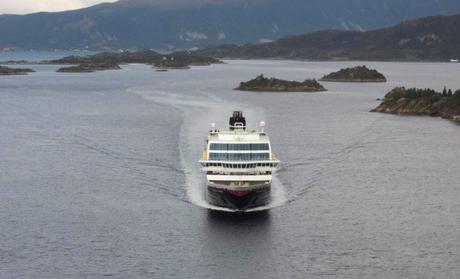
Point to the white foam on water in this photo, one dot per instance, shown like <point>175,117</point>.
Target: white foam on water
<point>199,111</point>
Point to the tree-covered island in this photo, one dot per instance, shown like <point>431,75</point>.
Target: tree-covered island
<point>263,84</point>
<point>89,68</point>
<point>111,60</point>
<point>415,101</point>
<point>355,74</point>
<point>170,63</point>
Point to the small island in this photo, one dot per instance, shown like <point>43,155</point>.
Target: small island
<point>263,84</point>
<point>89,68</point>
<point>415,101</point>
<point>7,71</point>
<point>15,62</point>
<point>111,60</point>
<point>355,74</point>
<point>170,63</point>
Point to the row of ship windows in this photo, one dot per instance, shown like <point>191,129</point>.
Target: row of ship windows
<point>239,146</point>
<point>240,166</point>
<point>239,156</point>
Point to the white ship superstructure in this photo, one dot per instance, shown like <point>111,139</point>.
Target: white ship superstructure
<point>239,165</point>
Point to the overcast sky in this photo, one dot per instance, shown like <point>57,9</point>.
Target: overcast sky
<point>31,6</point>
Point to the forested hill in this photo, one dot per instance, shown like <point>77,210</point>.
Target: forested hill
<point>172,24</point>
<point>428,39</point>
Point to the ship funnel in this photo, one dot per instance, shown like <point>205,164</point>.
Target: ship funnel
<point>237,121</point>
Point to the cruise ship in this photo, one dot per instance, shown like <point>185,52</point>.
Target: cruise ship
<point>239,165</point>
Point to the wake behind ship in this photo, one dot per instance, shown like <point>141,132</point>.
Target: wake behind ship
<point>239,165</point>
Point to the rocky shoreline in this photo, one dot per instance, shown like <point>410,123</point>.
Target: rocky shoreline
<point>263,84</point>
<point>427,102</point>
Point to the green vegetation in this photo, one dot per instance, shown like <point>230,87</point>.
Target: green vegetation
<point>7,71</point>
<point>89,68</point>
<point>171,64</point>
<point>415,101</point>
<point>150,57</point>
<point>144,56</point>
<point>355,74</point>
<point>191,59</point>
<point>262,83</point>
<point>184,24</point>
<point>425,39</point>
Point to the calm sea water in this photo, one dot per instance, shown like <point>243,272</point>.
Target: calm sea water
<point>99,177</point>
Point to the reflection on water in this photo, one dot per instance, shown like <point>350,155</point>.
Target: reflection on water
<point>236,239</point>
<point>255,218</point>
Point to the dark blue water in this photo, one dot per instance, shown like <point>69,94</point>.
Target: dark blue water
<point>99,177</point>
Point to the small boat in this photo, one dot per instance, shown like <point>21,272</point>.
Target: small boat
<point>239,165</point>
<point>453,60</point>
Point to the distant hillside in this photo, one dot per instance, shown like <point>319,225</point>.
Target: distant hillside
<point>432,38</point>
<point>170,24</point>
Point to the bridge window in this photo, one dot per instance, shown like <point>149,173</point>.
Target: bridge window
<point>239,147</point>
<point>239,156</point>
